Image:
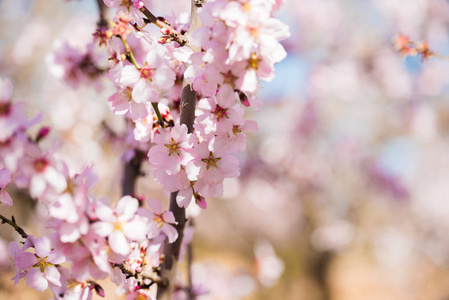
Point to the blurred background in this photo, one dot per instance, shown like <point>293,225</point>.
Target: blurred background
<point>344,192</point>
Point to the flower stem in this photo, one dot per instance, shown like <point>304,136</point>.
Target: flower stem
<point>158,114</point>
<point>129,53</point>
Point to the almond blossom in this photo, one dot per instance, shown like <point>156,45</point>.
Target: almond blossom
<point>120,224</point>
<point>150,81</point>
<point>210,167</point>
<point>159,220</point>
<point>40,269</point>
<point>171,149</point>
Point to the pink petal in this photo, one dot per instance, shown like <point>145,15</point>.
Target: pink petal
<point>138,111</point>
<point>118,243</point>
<point>129,76</point>
<point>37,186</point>
<point>42,246</point>
<point>170,232</point>
<point>102,228</point>
<point>13,248</point>
<point>36,280</point>
<point>53,276</point>
<point>169,217</point>
<point>68,233</point>
<point>136,229</point>
<point>25,260</point>
<point>104,212</point>
<point>144,92</point>
<point>184,197</point>
<point>56,179</point>
<point>126,208</point>
<point>155,205</point>
<point>164,77</point>
<point>5,198</point>
<point>119,103</point>
<point>172,164</point>
<point>5,178</point>
<point>56,258</point>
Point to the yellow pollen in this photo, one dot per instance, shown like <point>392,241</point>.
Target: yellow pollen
<point>253,62</point>
<point>158,221</point>
<point>236,129</point>
<point>41,264</point>
<point>211,161</point>
<point>118,226</point>
<point>173,148</point>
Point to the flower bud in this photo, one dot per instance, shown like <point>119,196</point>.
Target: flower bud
<point>200,201</point>
<point>243,98</point>
<point>99,290</point>
<point>42,133</point>
<point>166,31</point>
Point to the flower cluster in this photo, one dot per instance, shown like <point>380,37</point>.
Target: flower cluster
<point>407,47</point>
<point>89,233</point>
<point>240,42</point>
<point>222,61</point>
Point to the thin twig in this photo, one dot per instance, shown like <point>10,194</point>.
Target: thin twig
<point>16,227</point>
<point>141,276</point>
<point>129,53</point>
<point>163,24</point>
<point>158,114</point>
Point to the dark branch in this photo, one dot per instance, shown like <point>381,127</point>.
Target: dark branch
<point>102,22</point>
<point>172,34</point>
<point>141,276</point>
<point>12,222</point>
<point>131,172</point>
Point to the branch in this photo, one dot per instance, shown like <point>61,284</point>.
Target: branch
<point>12,222</point>
<point>101,13</point>
<point>131,172</point>
<point>171,251</point>
<point>189,265</point>
<point>165,26</point>
<point>141,276</point>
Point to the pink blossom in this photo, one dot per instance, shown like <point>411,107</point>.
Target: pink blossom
<point>220,112</point>
<point>160,220</point>
<point>210,166</point>
<point>128,6</point>
<point>122,103</point>
<point>234,140</point>
<point>120,224</point>
<point>40,270</point>
<point>74,66</point>
<point>171,149</point>
<point>150,81</point>
<point>42,173</point>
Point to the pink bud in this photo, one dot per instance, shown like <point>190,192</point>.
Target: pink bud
<point>99,290</point>
<point>138,4</point>
<point>244,98</point>
<point>162,40</point>
<point>165,31</point>
<point>42,133</point>
<point>200,201</point>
